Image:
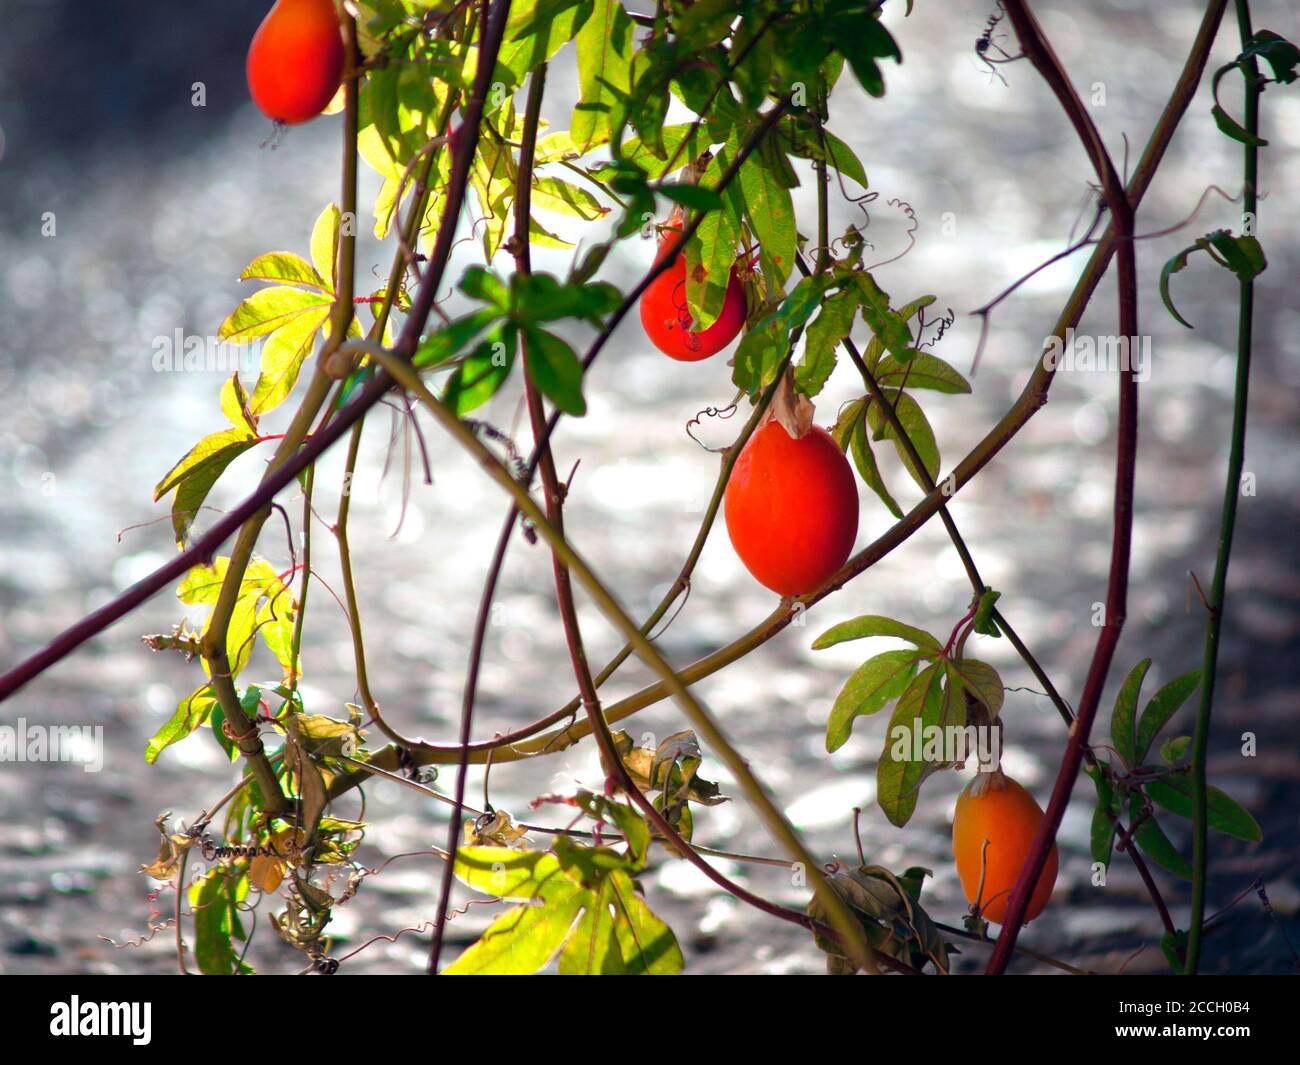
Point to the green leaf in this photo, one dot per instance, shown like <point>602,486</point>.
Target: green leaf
<point>921,371</point>
<point>711,251</point>
<point>1244,255</point>
<point>1122,721</point>
<point>704,22</point>
<point>555,146</point>
<point>634,150</point>
<point>1163,705</point>
<point>556,370</point>
<point>981,680</point>
<point>195,474</point>
<point>437,347</point>
<point>1174,749</point>
<point>536,30</point>
<point>850,431</point>
<point>205,451</point>
<point>563,197</point>
<point>770,211</point>
<point>522,940</point>
<point>898,780</point>
<point>1230,127</point>
<point>692,196</point>
<point>582,272</point>
<point>191,712</point>
<point>234,404</point>
<point>873,685</point>
<point>915,424</point>
<point>202,586</point>
<point>484,371</point>
<point>800,135</point>
<point>325,244</point>
<point>876,346</point>
<point>1278,52</point>
<point>983,622</point>
<point>1153,842</point>
<point>482,284</point>
<point>648,946</point>
<point>764,346</point>
<point>1177,795</point>
<point>876,625</point>
<point>1102,836</point>
<point>275,624</point>
<point>823,337</point>
<point>593,949</point>
<point>541,297</point>
<point>861,39</point>
<point>214,900</point>
<point>512,874</point>
<point>1172,944</point>
<point>619,935</point>
<point>889,325</point>
<point>752,73</point>
<point>1175,265</point>
<point>605,45</point>
<point>541,237</point>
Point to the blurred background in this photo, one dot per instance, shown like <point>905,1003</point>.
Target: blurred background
<point>157,205</point>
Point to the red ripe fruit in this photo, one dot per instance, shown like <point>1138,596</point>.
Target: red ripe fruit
<point>792,508</point>
<point>668,323</point>
<point>295,62</point>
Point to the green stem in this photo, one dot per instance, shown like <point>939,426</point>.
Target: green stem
<point>1228,521</point>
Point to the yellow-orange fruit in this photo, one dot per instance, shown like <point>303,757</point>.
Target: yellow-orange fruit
<point>996,809</point>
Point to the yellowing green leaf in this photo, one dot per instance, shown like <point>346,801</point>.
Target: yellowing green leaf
<point>285,267</point>
<point>191,712</point>
<point>268,310</point>
<point>283,354</point>
<point>521,941</point>
<point>563,197</point>
<point>325,244</point>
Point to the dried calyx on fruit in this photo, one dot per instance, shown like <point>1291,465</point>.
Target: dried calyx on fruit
<point>791,503</point>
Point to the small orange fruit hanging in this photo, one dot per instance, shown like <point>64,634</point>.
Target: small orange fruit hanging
<point>996,809</point>
<point>295,62</point>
